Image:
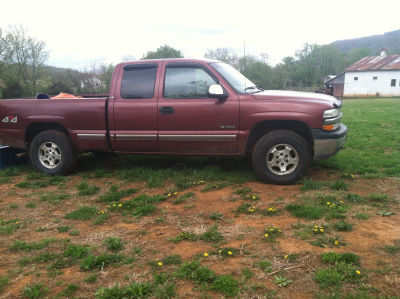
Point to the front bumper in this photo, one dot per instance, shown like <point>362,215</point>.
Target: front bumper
<point>327,144</point>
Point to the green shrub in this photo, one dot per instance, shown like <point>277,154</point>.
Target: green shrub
<point>35,291</point>
<point>99,262</point>
<point>83,213</point>
<point>347,257</point>
<point>306,212</point>
<point>227,285</point>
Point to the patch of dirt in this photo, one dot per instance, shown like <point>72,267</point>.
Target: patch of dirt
<point>152,235</point>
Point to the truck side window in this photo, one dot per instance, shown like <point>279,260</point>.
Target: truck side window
<point>138,81</point>
<point>187,82</point>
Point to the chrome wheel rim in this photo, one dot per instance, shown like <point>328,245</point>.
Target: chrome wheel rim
<point>282,159</point>
<point>49,155</point>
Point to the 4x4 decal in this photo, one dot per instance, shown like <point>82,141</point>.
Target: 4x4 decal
<point>10,119</point>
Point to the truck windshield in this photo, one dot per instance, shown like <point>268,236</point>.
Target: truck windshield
<point>237,81</point>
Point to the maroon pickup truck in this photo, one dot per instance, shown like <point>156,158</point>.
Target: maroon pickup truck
<point>179,106</point>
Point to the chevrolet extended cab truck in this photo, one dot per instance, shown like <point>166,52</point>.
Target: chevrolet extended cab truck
<point>179,106</point>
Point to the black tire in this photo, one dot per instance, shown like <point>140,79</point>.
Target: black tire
<point>281,157</point>
<point>51,152</point>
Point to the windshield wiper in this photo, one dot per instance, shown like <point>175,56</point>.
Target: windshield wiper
<point>254,87</point>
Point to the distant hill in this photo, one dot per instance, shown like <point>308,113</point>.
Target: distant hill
<point>389,40</point>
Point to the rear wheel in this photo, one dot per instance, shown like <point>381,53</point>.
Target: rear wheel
<point>52,152</point>
<point>281,157</point>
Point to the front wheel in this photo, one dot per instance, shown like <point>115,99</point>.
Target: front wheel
<point>52,153</point>
<point>281,157</point>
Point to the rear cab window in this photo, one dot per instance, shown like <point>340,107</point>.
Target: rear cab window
<point>138,81</point>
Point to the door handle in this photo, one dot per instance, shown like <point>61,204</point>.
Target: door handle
<point>166,110</point>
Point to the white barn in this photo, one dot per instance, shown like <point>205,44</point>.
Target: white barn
<point>373,76</point>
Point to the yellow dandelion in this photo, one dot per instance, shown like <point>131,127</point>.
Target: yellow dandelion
<point>157,259</point>
<point>266,235</point>
<point>286,256</point>
<point>316,226</point>
<point>175,193</point>
<point>279,230</point>
<point>120,205</point>
<point>114,205</point>
<point>352,176</point>
<point>358,272</point>
<point>254,197</point>
<point>328,203</point>
<point>169,194</point>
<point>16,222</point>
<point>230,252</point>
<point>271,229</point>
<point>102,212</point>
<point>336,242</point>
<point>205,254</point>
<point>159,263</point>
<point>220,251</point>
<point>321,230</point>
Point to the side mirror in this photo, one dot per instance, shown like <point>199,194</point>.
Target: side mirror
<point>216,91</point>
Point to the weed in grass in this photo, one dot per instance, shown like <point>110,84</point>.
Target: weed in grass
<point>63,229</point>
<point>393,249</point>
<point>193,271</point>
<point>99,262</point>
<point>76,251</point>
<point>74,232</point>
<point>70,290</point>
<point>305,211</point>
<point>182,198</point>
<point>226,285</point>
<point>3,283</point>
<point>337,274</point>
<point>339,185</point>
<point>247,273</point>
<point>217,216</point>
<point>172,260</point>
<point>13,206</point>
<point>264,265</point>
<point>343,226</point>
<point>59,263</point>
<point>282,281</point>
<point>246,208</point>
<point>100,218</point>
<point>228,252</point>
<point>31,205</point>
<point>165,291</point>
<point>325,241</point>
<point>35,291</point>
<point>309,184</point>
<point>54,198</point>
<point>92,278</point>
<point>114,195</point>
<point>271,233</point>
<point>214,186</point>
<point>377,197</point>
<point>140,206</point>
<point>355,198</point>
<point>184,236</point>
<point>114,244</point>
<point>7,227</point>
<point>133,290</point>
<point>211,235</point>
<point>45,257</point>
<point>24,246</point>
<point>83,213</point>
<point>362,216</point>
<point>84,189</point>
<point>347,257</point>
<point>137,250</point>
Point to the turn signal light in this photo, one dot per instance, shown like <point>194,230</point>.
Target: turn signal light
<point>328,127</point>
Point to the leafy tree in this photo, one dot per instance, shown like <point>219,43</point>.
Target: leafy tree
<point>163,52</point>
<point>25,57</point>
<point>223,54</point>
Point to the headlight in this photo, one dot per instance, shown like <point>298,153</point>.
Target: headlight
<point>332,119</point>
<point>331,113</point>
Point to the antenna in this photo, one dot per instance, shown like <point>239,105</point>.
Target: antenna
<point>244,60</point>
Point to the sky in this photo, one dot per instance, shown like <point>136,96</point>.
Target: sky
<point>80,32</point>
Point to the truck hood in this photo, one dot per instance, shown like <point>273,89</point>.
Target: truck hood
<point>297,96</point>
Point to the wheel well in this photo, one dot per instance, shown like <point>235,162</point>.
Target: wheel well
<point>33,129</point>
<point>264,127</point>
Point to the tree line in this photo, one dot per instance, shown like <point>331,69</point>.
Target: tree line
<point>23,69</point>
